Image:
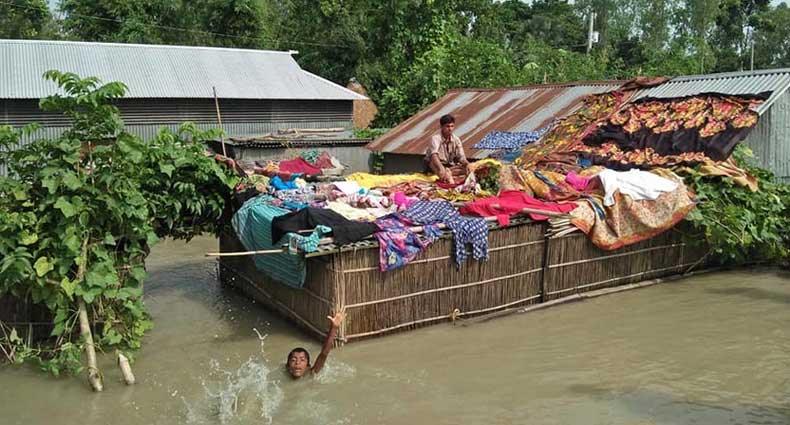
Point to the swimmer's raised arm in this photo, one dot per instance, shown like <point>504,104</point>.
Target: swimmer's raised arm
<point>336,320</point>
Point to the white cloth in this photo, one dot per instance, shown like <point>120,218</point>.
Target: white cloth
<point>637,184</point>
<point>350,212</point>
<point>349,188</point>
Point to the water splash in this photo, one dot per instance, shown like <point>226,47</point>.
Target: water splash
<point>250,391</point>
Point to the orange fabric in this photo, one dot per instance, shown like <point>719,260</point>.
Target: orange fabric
<point>628,221</point>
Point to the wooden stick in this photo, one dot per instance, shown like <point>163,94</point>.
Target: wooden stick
<point>219,118</point>
<point>126,369</point>
<point>244,253</point>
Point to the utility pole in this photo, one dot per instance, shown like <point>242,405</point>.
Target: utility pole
<point>751,39</point>
<point>590,33</point>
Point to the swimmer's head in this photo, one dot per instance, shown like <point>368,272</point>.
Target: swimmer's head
<point>298,363</point>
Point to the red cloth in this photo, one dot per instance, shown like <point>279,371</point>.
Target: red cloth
<point>511,202</point>
<point>445,185</point>
<point>324,160</point>
<point>298,165</point>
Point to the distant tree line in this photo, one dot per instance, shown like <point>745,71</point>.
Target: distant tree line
<point>409,52</point>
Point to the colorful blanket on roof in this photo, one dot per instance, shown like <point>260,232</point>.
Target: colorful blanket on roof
<point>709,124</point>
<point>629,221</point>
<point>569,132</point>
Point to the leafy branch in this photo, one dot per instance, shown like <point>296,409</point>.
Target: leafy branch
<point>79,214</point>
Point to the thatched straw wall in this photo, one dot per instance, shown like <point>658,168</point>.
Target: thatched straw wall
<point>524,268</point>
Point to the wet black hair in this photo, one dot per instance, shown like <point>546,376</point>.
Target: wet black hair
<point>298,350</point>
<point>446,119</point>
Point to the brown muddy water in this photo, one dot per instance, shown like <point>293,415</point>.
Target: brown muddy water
<point>711,349</point>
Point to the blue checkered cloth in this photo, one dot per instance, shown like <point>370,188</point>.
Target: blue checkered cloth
<point>466,230</point>
<point>507,140</point>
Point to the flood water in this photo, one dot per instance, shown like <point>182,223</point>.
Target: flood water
<point>711,349</point>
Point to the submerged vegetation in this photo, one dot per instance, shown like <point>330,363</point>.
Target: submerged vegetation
<point>741,225</point>
<point>79,214</point>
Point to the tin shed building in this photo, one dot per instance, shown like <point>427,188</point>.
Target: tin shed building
<point>480,111</point>
<point>259,91</point>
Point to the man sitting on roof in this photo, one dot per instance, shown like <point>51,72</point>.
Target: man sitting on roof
<point>445,155</point>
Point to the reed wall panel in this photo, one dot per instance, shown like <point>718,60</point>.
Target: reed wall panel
<point>575,265</point>
<point>307,307</point>
<point>431,288</point>
<point>511,250</point>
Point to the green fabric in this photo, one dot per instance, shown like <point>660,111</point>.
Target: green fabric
<point>306,243</point>
<point>311,155</point>
<point>253,226</point>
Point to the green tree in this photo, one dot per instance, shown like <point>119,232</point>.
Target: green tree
<point>729,38</point>
<point>25,19</point>
<point>772,38</point>
<point>79,213</point>
<point>232,23</point>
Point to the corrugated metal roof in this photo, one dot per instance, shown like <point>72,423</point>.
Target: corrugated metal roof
<point>776,81</point>
<point>480,111</point>
<point>155,71</point>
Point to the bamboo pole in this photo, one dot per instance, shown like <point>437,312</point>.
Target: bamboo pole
<point>94,377</point>
<point>126,369</point>
<point>219,119</point>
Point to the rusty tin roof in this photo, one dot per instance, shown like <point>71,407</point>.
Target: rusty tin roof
<point>480,111</point>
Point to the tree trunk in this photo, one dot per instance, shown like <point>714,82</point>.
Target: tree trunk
<point>94,377</point>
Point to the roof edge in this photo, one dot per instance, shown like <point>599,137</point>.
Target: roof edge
<point>541,86</point>
<point>352,93</point>
<point>147,46</point>
<point>731,74</point>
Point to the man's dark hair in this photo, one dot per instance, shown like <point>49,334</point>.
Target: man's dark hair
<point>446,119</point>
<point>298,350</point>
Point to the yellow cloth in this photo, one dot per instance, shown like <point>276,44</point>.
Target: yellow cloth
<point>453,196</point>
<point>368,181</point>
<point>488,161</point>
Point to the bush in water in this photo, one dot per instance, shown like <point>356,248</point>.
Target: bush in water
<point>79,213</point>
<point>741,225</point>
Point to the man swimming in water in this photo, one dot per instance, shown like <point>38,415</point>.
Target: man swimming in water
<point>298,363</point>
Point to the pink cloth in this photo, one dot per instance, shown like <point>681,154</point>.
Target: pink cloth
<point>576,181</point>
<point>324,160</point>
<point>511,202</point>
<point>298,165</point>
<point>401,200</point>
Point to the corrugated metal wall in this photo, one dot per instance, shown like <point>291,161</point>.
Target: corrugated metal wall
<point>145,117</point>
<point>166,111</point>
<point>770,140</point>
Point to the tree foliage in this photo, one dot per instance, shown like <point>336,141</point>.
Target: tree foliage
<point>96,199</point>
<point>25,19</point>
<point>231,23</point>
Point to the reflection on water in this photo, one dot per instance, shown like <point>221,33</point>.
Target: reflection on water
<point>712,349</point>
